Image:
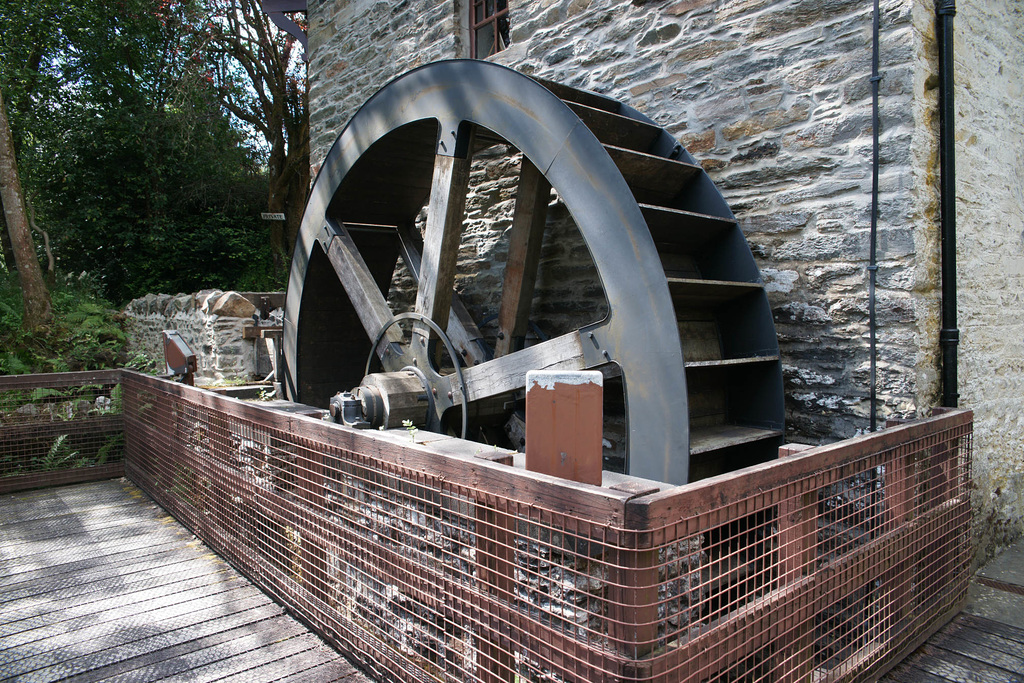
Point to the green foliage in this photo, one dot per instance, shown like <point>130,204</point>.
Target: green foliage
<point>410,428</point>
<point>86,333</point>
<point>115,400</point>
<point>132,166</point>
<point>140,362</point>
<point>39,393</point>
<point>113,444</point>
<point>59,456</point>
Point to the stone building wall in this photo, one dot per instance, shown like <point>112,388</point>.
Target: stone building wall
<point>212,323</point>
<point>990,251</point>
<point>356,47</point>
<point>773,97</point>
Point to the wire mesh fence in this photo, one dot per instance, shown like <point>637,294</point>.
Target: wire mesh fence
<point>427,558</point>
<point>60,428</point>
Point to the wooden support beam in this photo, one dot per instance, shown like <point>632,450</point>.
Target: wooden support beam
<point>462,329</point>
<point>508,373</point>
<point>445,214</point>
<point>370,304</point>
<point>525,238</point>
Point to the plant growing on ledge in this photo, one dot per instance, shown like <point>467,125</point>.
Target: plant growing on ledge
<point>411,428</point>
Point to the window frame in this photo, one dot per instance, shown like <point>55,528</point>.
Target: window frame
<point>475,26</point>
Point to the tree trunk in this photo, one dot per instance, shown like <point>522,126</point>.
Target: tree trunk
<point>276,198</point>
<point>51,263</point>
<point>298,186</point>
<point>7,248</point>
<point>33,290</point>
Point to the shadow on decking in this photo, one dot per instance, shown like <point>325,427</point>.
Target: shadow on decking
<point>99,583</point>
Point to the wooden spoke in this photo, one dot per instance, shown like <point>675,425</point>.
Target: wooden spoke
<point>462,329</point>
<point>508,373</point>
<point>525,239</point>
<point>370,304</point>
<point>445,215</point>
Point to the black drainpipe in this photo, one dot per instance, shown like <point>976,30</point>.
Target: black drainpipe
<point>949,335</point>
<point>872,264</point>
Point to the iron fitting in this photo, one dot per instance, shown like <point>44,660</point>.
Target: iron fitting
<point>946,7</point>
<point>949,335</point>
<point>371,404</point>
<point>346,409</point>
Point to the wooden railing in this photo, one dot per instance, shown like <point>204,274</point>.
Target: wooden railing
<point>431,558</point>
<point>60,429</point>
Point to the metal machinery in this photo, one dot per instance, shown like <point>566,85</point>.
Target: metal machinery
<point>686,338</point>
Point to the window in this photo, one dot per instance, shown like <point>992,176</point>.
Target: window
<point>488,27</point>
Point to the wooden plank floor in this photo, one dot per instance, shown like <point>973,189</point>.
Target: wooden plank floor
<point>985,642</point>
<point>97,583</point>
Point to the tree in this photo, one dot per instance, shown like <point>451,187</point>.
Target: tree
<point>131,162</point>
<point>261,80</point>
<point>34,294</point>
<point>29,38</point>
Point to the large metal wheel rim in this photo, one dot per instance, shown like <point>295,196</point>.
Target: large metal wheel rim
<point>640,333</point>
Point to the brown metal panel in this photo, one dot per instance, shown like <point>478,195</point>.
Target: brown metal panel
<point>715,492</point>
<point>61,477</point>
<point>59,379</point>
<point>564,419</point>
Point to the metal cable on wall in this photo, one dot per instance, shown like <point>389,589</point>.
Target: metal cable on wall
<point>872,260</point>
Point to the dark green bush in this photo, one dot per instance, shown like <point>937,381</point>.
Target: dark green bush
<point>87,333</point>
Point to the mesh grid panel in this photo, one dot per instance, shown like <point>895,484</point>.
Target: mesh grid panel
<point>60,428</point>
<point>431,562</point>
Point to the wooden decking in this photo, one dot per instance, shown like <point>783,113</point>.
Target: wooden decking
<point>97,583</point>
<point>985,642</point>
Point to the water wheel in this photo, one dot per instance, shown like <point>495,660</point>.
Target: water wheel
<point>685,337</point>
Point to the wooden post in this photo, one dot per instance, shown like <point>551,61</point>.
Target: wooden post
<point>899,505</point>
<point>525,237</point>
<point>310,470</point>
<point>798,534</point>
<point>564,424</point>
<point>633,605</point>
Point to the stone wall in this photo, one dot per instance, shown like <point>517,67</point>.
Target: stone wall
<point>774,98</point>
<point>990,251</point>
<point>212,323</point>
<point>357,46</point>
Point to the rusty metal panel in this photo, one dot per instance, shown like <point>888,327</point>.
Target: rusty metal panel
<point>428,558</point>
<point>60,429</point>
<point>564,414</point>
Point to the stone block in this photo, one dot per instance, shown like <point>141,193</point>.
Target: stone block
<point>661,34</point>
<point>770,120</point>
<point>231,305</point>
